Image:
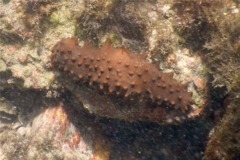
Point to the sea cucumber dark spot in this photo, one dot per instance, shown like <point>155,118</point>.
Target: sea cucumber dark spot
<point>153,79</point>
<point>127,65</point>
<point>138,91</point>
<point>101,70</point>
<point>180,98</point>
<point>110,68</point>
<point>172,103</point>
<point>139,74</point>
<point>94,79</point>
<point>90,68</point>
<point>80,76</point>
<point>73,59</point>
<point>133,84</point>
<point>86,65</point>
<point>105,82</point>
<point>118,84</point>
<point>148,91</point>
<point>79,64</point>
<point>125,87</point>
<point>110,90</point>
<point>131,73</point>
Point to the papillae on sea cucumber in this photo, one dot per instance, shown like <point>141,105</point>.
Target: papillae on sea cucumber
<point>118,72</point>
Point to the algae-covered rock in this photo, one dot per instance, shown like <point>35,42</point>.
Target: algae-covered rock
<point>223,60</point>
<point>196,41</point>
<point>224,141</point>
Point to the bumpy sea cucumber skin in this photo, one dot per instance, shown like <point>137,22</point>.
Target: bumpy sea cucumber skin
<point>121,73</point>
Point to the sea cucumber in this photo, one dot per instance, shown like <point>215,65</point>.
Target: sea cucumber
<point>121,73</point>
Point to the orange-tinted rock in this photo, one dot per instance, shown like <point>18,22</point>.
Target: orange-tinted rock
<point>78,141</point>
<point>199,82</point>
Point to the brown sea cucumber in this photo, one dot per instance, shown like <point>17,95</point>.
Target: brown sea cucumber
<point>121,73</point>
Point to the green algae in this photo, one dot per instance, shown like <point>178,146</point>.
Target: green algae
<point>3,66</point>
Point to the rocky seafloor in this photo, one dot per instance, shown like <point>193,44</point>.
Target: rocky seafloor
<point>47,114</point>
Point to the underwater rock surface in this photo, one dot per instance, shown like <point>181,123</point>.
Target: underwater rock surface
<point>196,41</point>
<point>52,134</point>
